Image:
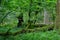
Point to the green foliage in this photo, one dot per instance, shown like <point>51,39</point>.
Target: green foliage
<point>3,30</point>
<point>49,35</point>
<point>22,7</point>
<point>1,38</point>
<point>16,8</point>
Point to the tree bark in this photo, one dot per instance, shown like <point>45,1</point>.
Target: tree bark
<point>58,15</point>
<point>46,17</point>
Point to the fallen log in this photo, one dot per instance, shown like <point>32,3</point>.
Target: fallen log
<point>23,30</point>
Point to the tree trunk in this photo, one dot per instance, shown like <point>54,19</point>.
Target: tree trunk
<point>58,15</point>
<point>46,17</point>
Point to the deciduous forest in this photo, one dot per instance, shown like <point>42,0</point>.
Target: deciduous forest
<point>29,19</point>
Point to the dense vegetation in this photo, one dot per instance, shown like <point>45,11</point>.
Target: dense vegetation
<point>28,20</point>
<point>49,35</point>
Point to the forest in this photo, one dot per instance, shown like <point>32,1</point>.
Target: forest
<point>29,19</point>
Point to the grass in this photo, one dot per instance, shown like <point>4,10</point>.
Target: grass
<point>48,35</point>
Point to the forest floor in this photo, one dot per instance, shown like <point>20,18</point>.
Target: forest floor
<point>48,35</point>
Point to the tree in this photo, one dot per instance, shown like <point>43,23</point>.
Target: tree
<point>46,17</point>
<point>58,15</point>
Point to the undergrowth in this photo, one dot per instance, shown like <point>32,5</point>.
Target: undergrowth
<point>48,35</point>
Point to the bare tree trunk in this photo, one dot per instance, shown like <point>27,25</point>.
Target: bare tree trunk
<point>46,17</point>
<point>58,15</point>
